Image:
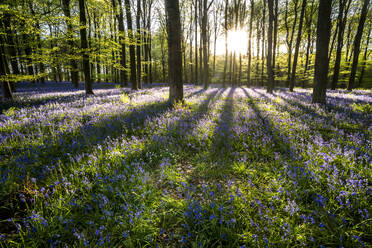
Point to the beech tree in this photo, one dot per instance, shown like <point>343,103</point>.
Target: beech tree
<point>323,32</point>
<point>84,47</point>
<point>358,38</point>
<point>174,51</point>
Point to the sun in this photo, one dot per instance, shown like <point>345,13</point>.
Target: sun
<point>237,41</point>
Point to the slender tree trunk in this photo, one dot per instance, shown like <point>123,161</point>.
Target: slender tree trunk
<point>4,69</point>
<point>309,33</point>
<point>357,40</point>
<point>84,47</point>
<point>123,62</point>
<point>240,70</point>
<point>163,57</point>
<point>364,59</point>
<point>150,51</point>
<point>214,48</point>
<point>196,42</point>
<point>138,40</point>
<point>348,41</point>
<point>226,45</point>
<point>231,69</point>
<point>11,48</point>
<point>97,34</point>
<point>263,41</point>
<point>297,48</point>
<point>205,45</point>
<point>290,42</point>
<point>342,17</point>
<point>132,49</point>
<point>275,38</point>
<point>258,50</point>
<point>250,45</point>
<point>321,58</point>
<point>174,51</point>
<point>270,84</point>
<point>332,43</point>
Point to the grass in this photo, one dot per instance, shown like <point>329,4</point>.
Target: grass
<point>231,167</point>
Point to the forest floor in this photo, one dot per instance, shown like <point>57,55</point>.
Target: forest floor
<point>233,167</point>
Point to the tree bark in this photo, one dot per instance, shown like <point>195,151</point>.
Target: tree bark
<point>4,70</point>
<point>138,41</point>
<point>123,59</point>
<point>321,58</point>
<point>275,38</point>
<point>196,42</point>
<point>342,17</point>
<point>250,45</point>
<point>11,48</point>
<point>205,45</point>
<point>357,40</point>
<point>290,41</point>
<point>309,34</point>
<point>263,41</point>
<point>297,48</point>
<point>174,51</point>
<point>270,83</point>
<point>84,47</point>
<point>226,46</point>
<point>364,59</point>
<point>132,52</point>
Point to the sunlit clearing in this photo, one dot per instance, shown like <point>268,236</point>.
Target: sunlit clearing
<point>237,41</point>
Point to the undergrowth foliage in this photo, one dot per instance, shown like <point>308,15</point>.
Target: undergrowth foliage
<point>231,167</point>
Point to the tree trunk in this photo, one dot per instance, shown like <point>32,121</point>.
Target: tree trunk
<point>84,47</point>
<point>270,83</point>
<point>290,41</point>
<point>174,51</point>
<point>226,45</point>
<point>97,36</point>
<point>332,42</point>
<point>263,41</point>
<point>162,48</point>
<point>275,38</point>
<point>297,48</point>
<point>348,41</point>
<point>11,48</point>
<point>321,58</point>
<point>123,60</point>
<point>250,45</point>
<point>191,49</point>
<point>258,49</point>
<point>342,17</point>
<point>214,44</point>
<point>205,45</point>
<point>196,42</point>
<point>309,33</point>
<point>364,59</point>
<point>132,49</point>
<point>74,67</point>
<point>4,70</point>
<point>357,40</point>
<point>138,41</point>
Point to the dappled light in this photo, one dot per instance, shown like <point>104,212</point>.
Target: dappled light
<point>185,123</point>
<point>136,167</point>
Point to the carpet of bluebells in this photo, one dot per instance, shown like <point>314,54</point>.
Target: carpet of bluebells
<point>233,167</point>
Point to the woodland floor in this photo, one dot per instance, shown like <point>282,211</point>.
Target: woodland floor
<point>233,167</point>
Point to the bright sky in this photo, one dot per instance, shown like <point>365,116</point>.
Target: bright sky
<point>238,41</point>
